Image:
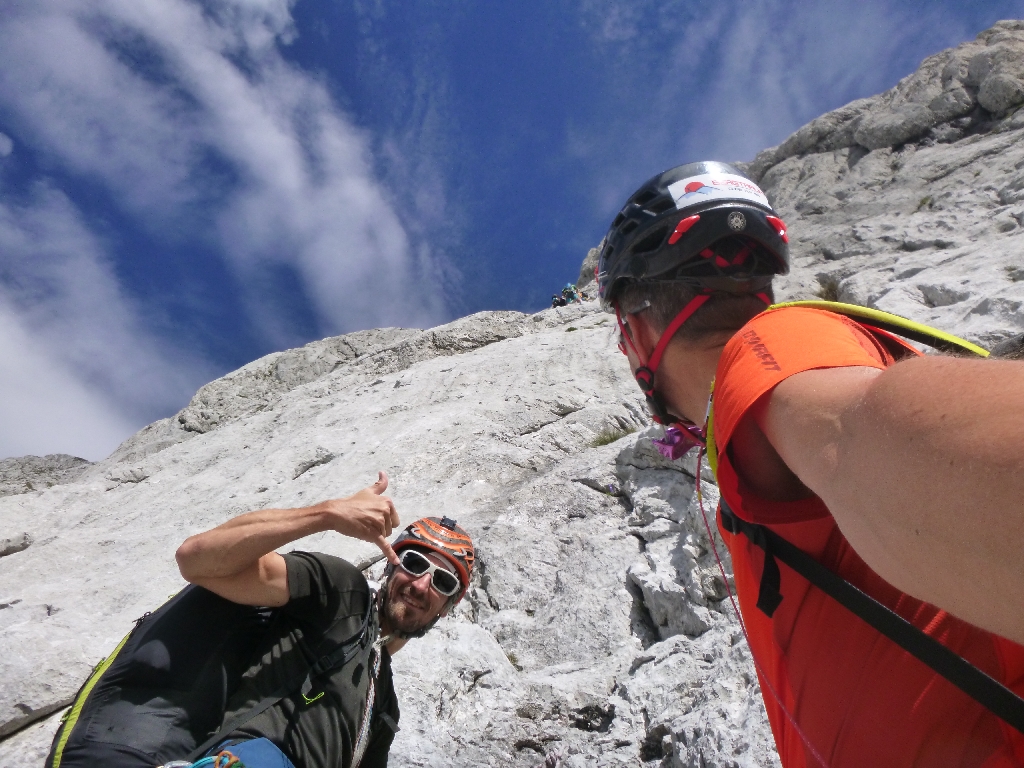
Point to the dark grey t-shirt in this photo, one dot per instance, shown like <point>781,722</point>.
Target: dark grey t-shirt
<point>328,599</point>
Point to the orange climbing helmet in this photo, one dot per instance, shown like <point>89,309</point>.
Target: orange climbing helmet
<point>445,537</point>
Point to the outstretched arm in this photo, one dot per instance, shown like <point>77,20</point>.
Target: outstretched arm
<point>922,466</point>
<point>237,561</point>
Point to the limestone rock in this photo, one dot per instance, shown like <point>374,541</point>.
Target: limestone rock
<point>15,544</point>
<point>898,126</point>
<point>978,82</point>
<point>1000,92</point>
<point>928,228</point>
<point>34,473</point>
<point>598,629</point>
<point>950,104</point>
<point>588,267</point>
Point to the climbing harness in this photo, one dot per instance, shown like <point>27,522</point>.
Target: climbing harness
<point>223,759</point>
<point>338,657</point>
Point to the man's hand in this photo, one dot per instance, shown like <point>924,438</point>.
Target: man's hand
<point>237,561</point>
<point>368,516</point>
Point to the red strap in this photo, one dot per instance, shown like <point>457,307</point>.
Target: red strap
<point>674,326</point>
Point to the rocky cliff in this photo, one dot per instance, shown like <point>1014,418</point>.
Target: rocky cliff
<point>596,629</point>
<point>913,201</point>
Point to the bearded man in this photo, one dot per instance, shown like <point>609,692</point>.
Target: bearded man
<point>345,715</point>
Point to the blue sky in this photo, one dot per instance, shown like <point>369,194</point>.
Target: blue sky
<point>186,186</point>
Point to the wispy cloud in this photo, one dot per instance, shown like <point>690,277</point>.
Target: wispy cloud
<point>724,80</point>
<point>45,406</point>
<point>78,372</point>
<point>190,120</point>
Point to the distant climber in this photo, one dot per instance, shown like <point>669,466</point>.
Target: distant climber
<point>557,300</point>
<point>840,451</point>
<point>570,294</point>
<point>315,688</point>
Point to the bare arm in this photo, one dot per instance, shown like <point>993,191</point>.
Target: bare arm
<point>237,560</point>
<point>922,466</point>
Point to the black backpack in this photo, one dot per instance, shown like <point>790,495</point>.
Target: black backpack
<point>161,695</point>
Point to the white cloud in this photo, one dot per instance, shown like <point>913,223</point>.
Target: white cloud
<point>140,93</point>
<point>77,373</point>
<point>45,407</point>
<point>188,116</point>
<point>725,80</point>
<point>6,145</point>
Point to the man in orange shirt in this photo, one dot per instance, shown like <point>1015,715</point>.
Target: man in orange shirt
<point>900,473</point>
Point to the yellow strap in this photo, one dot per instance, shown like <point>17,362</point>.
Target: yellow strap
<point>887,321</point>
<point>76,710</point>
<point>709,437</point>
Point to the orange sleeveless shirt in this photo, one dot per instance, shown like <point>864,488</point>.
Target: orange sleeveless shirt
<point>859,699</point>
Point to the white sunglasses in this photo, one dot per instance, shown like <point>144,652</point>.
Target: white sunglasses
<point>415,563</point>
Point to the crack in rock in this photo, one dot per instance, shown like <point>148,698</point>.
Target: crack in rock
<point>15,544</point>
<point>323,456</point>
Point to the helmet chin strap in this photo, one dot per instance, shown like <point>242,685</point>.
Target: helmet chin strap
<point>645,373</point>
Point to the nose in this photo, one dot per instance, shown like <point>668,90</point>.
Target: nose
<point>421,583</point>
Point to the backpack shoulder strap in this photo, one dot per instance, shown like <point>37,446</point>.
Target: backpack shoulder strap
<point>886,321</point>
<point>873,318</point>
<point>988,692</point>
<point>336,657</point>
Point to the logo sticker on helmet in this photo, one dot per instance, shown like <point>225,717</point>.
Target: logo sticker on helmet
<point>737,221</point>
<point>708,186</point>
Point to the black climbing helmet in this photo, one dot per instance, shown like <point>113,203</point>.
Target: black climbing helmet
<point>667,229</point>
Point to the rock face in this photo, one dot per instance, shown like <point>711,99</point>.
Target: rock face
<point>587,270</point>
<point>595,627</point>
<point>33,473</point>
<point>598,630</point>
<point>913,201</point>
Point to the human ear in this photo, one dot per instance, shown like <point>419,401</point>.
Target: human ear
<point>644,335</point>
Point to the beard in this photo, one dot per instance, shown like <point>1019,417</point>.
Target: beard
<point>402,612</point>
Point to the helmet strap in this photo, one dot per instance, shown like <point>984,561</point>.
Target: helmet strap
<point>677,322</point>
<point>645,373</point>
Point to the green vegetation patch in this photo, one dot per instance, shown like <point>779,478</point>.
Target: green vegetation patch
<point>610,435</point>
<point>829,290</point>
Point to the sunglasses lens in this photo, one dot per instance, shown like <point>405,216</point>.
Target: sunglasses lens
<point>445,582</point>
<point>414,562</point>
